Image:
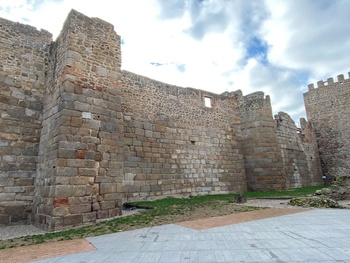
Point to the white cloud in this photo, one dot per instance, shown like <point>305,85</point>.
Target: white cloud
<point>309,35</point>
<point>204,44</point>
<point>281,84</point>
<point>15,10</point>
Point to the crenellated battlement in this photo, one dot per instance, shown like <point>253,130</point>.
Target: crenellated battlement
<point>328,111</point>
<point>329,82</point>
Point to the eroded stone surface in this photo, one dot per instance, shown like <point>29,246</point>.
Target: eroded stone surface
<point>79,136</point>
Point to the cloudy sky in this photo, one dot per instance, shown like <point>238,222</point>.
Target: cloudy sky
<point>217,45</point>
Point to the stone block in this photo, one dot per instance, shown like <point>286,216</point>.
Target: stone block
<point>23,181</point>
<point>107,188</point>
<point>155,188</point>
<point>149,134</point>
<point>4,143</point>
<point>102,214</point>
<point>112,197</point>
<point>71,145</point>
<point>63,191</point>
<point>160,128</point>
<point>134,189</point>
<point>97,156</point>
<point>80,106</point>
<point>76,121</point>
<point>80,154</point>
<point>139,131</point>
<point>129,135</point>
<point>148,126</point>
<point>92,124</point>
<point>130,164</point>
<point>14,189</point>
<point>7,196</point>
<point>79,190</point>
<point>8,181</point>
<point>66,171</point>
<point>72,220</point>
<point>61,180</point>
<point>80,180</point>
<point>87,199</point>
<point>105,205</point>
<point>80,163</point>
<point>145,188</point>
<point>89,217</point>
<point>108,127</point>
<point>81,208</point>
<point>14,207</point>
<point>57,202</point>
<point>60,211</point>
<point>157,135</point>
<point>101,172</point>
<point>74,200</point>
<point>96,206</point>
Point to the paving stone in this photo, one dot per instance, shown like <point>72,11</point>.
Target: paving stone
<point>167,243</point>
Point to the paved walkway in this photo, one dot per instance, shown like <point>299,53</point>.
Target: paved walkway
<point>319,235</point>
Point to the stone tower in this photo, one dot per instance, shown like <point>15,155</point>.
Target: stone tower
<point>81,142</point>
<point>262,154</point>
<point>327,108</point>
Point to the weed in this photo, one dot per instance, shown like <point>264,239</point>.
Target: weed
<point>294,192</point>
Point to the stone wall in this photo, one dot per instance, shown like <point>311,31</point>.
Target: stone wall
<point>261,149</point>
<point>327,108</point>
<point>301,163</point>
<point>175,145</point>
<point>24,60</point>
<point>81,147</point>
<point>310,148</point>
<point>78,136</point>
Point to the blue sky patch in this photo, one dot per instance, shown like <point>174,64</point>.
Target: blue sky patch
<point>257,49</point>
<point>301,78</point>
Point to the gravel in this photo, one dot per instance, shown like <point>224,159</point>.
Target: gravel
<point>9,232</point>
<point>275,203</point>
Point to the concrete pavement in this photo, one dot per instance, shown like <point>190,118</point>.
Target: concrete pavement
<point>318,235</point>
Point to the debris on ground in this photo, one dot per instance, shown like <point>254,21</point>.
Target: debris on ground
<point>320,201</point>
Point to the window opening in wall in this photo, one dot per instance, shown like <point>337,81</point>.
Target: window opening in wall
<point>193,142</point>
<point>207,102</point>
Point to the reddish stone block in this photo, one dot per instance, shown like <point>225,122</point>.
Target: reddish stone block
<point>60,202</point>
<point>81,154</point>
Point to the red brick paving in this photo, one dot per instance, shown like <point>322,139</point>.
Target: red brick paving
<point>42,251</point>
<point>211,222</point>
